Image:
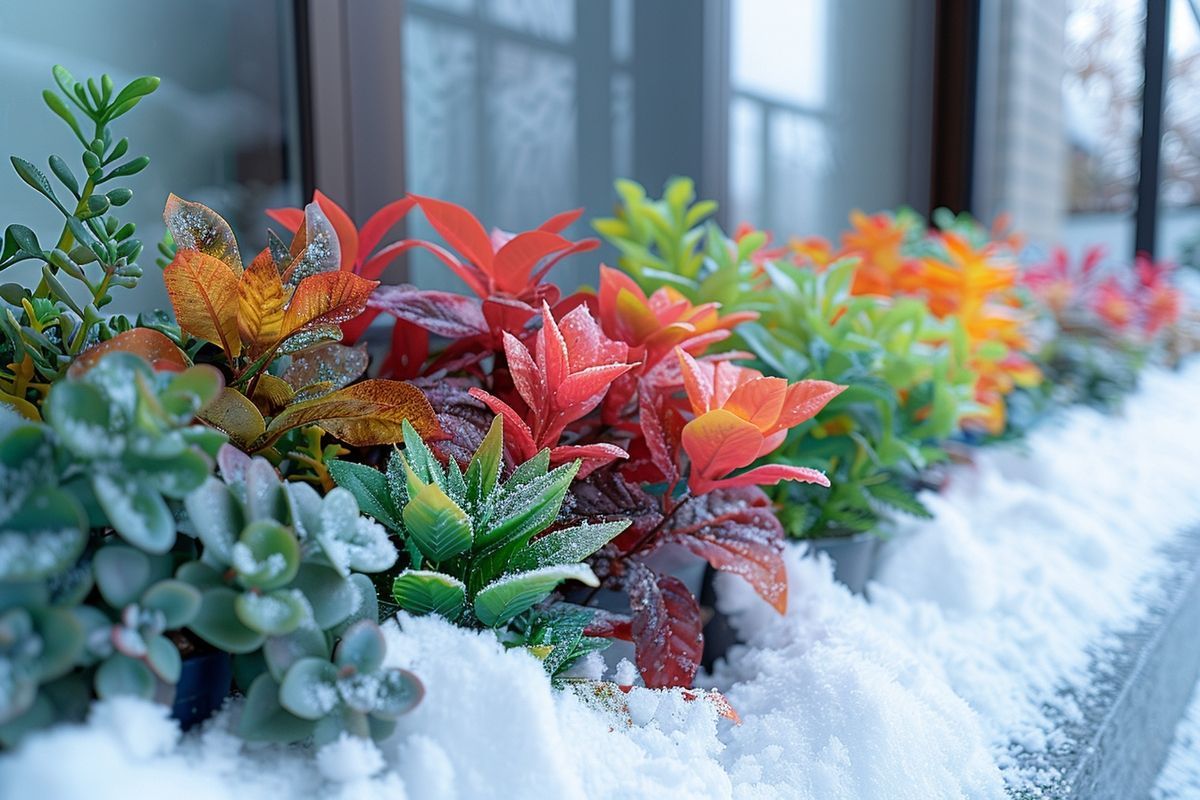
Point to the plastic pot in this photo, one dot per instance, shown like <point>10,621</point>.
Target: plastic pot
<point>204,683</point>
<point>853,557</point>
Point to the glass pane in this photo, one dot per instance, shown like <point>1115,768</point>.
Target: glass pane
<point>821,118</point>
<point>221,128</point>
<point>1179,193</point>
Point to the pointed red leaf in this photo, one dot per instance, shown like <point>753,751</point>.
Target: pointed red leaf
<point>718,442</point>
<point>343,226</point>
<point>582,246</point>
<point>772,474</point>
<point>593,456</point>
<point>588,384</point>
<point>515,261</point>
<point>290,218</point>
<point>560,222</point>
<point>524,372</point>
<point>518,439</point>
<point>382,221</point>
<point>460,229</point>
<point>805,399</point>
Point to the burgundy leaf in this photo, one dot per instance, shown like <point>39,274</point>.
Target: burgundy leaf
<point>667,630</point>
<point>605,496</point>
<point>444,313</point>
<point>735,530</point>
<point>464,419</point>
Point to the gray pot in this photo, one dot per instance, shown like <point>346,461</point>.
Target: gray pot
<point>853,557</point>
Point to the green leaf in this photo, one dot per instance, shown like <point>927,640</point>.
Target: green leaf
<point>123,573</point>
<point>362,647</point>
<point>484,470</point>
<point>263,719</point>
<point>267,555</point>
<point>274,613</point>
<point>121,675</point>
<point>426,592</point>
<point>398,693</point>
<point>177,600</point>
<point>369,487</point>
<point>503,599</point>
<point>37,179</point>
<point>218,624</point>
<point>62,642</point>
<point>439,528</point>
<point>566,546</point>
<point>163,659</point>
<point>59,107</point>
<point>280,652</point>
<point>309,690</point>
<point>332,597</point>
<point>137,512</point>
<point>45,535</point>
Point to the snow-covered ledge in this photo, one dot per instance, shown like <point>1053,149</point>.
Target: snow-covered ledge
<point>983,637</point>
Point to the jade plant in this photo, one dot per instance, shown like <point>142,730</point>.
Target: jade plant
<point>280,576</point>
<point>42,329</point>
<point>480,548</point>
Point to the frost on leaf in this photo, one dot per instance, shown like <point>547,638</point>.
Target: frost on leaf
<point>667,629</point>
<point>735,530</point>
<point>606,496</point>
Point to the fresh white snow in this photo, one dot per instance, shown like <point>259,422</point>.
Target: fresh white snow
<point>1180,775</point>
<point>979,618</point>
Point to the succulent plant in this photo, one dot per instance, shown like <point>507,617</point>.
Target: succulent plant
<point>478,550</point>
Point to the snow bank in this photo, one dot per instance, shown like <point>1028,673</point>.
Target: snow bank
<point>979,617</point>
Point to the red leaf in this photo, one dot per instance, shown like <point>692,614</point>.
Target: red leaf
<point>805,399</point>
<point>470,274</point>
<point>593,456</point>
<point>524,372</point>
<point>516,259</point>
<point>771,474</point>
<point>410,348</point>
<point>374,266</point>
<point>381,222</point>
<point>460,228</point>
<point>290,218</point>
<point>507,313</point>
<point>585,385</point>
<point>560,222</point>
<point>518,439</point>
<point>610,625</point>
<point>581,246</point>
<point>735,530</point>
<point>343,226</point>
<point>667,629</point>
<point>444,313</point>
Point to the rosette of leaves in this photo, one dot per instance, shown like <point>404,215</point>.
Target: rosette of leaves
<point>480,546</point>
<point>281,312</point>
<point>44,329</point>
<point>907,390</point>
<point>281,579</point>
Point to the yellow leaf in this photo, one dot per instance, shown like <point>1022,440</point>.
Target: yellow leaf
<point>326,298</point>
<point>364,414</point>
<point>21,406</point>
<point>260,305</point>
<point>236,416</point>
<point>204,293</point>
<point>195,226</point>
<point>271,394</point>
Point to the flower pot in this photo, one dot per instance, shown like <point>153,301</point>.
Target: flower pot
<point>719,634</point>
<point>204,683</point>
<point>853,557</point>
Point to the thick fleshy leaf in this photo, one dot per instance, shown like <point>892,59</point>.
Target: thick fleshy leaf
<point>443,313</point>
<point>667,629</point>
<point>216,516</point>
<point>45,535</point>
<point>326,299</point>
<point>718,442</point>
<point>266,555</point>
<point>204,294</point>
<point>123,573</point>
<point>399,691</point>
<point>370,489</point>
<point>349,540</point>
<point>217,622</point>
<point>81,417</point>
<point>195,226</point>
<point>503,599</point>
<point>263,719</point>
<point>309,689</point>
<point>261,301</point>
<point>366,413</point>
<point>438,527</point>
<point>280,652</point>
<point>163,354</point>
<point>362,647</point>
<point>425,592</point>
<point>163,659</point>
<point>332,597</point>
<point>122,676</point>
<point>176,600</point>
<point>735,530</point>
<point>136,511</point>
<point>274,613</point>
<point>233,414</point>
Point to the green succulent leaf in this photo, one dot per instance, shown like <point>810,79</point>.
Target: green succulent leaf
<point>503,599</point>
<point>121,676</point>
<point>266,556</point>
<point>309,689</point>
<point>362,647</point>
<point>176,600</point>
<point>136,511</point>
<point>439,528</point>
<point>217,622</point>
<point>273,613</point>
<point>263,719</point>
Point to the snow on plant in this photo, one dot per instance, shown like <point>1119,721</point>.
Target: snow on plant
<point>288,302</point>
<point>87,525</point>
<point>478,549</point>
<point>280,575</point>
<point>43,329</point>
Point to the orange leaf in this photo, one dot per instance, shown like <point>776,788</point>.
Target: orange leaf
<point>328,298</point>
<point>260,304</point>
<point>148,343</point>
<point>364,414</point>
<point>718,442</point>
<point>233,414</point>
<point>195,226</point>
<point>204,292</point>
<point>759,401</point>
<point>343,226</point>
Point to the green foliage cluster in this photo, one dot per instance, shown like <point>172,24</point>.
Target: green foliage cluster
<point>50,324</point>
<point>480,546</point>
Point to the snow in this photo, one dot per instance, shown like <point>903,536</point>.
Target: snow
<point>1180,775</point>
<point>979,618</point>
